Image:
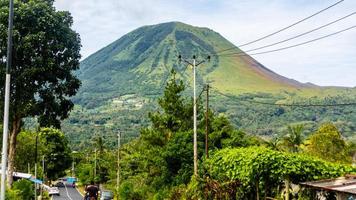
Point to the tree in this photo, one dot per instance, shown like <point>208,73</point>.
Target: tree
<point>177,113</point>
<point>294,138</point>
<point>328,144</point>
<point>56,152</point>
<point>25,152</point>
<point>45,54</point>
<point>52,144</point>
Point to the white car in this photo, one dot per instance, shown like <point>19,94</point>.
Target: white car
<point>53,191</point>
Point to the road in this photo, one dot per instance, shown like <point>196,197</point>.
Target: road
<point>68,193</point>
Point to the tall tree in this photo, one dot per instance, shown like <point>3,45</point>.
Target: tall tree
<point>45,54</point>
<point>177,112</point>
<point>327,143</point>
<point>56,152</point>
<point>52,144</point>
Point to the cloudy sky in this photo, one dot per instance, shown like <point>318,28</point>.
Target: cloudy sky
<point>331,61</point>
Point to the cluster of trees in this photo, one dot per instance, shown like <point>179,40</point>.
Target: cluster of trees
<point>51,147</point>
<point>266,120</point>
<point>159,164</point>
<point>257,119</point>
<point>326,143</point>
<point>161,158</point>
<point>50,144</point>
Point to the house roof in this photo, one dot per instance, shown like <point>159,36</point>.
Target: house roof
<point>345,184</point>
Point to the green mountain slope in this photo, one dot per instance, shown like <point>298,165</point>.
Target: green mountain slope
<point>121,83</point>
<point>140,62</point>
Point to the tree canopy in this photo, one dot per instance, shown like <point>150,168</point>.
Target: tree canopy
<point>52,144</point>
<point>327,143</point>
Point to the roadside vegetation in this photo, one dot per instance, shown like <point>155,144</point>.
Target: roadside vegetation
<point>159,164</point>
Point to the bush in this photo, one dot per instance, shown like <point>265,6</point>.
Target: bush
<point>21,190</point>
<point>12,194</point>
<point>127,191</point>
<point>255,168</point>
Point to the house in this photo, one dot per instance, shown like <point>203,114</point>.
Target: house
<point>343,187</point>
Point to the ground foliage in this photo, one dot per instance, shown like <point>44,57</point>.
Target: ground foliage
<point>265,170</point>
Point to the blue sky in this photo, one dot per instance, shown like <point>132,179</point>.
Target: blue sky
<point>327,62</point>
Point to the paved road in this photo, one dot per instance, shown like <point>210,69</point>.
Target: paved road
<point>68,193</point>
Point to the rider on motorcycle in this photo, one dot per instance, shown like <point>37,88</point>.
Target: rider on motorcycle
<point>91,192</point>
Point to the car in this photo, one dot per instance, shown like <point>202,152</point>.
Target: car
<point>59,184</point>
<point>106,195</point>
<point>53,191</point>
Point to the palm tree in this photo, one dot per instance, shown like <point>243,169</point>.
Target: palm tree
<point>294,138</point>
<point>273,143</point>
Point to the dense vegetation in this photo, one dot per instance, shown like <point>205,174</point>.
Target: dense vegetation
<point>252,118</point>
<point>159,164</point>
<point>52,146</point>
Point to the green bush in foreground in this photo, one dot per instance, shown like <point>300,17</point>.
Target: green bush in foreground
<point>21,190</point>
<point>262,171</point>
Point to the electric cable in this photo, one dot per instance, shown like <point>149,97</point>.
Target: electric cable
<point>283,29</point>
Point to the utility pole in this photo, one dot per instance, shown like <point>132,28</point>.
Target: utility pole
<point>73,174</point>
<point>118,160</point>
<point>195,143</point>
<point>43,175</point>
<point>36,162</point>
<point>195,122</point>
<point>7,102</point>
<point>94,164</point>
<point>207,122</point>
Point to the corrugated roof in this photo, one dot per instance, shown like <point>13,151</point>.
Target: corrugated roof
<point>345,184</point>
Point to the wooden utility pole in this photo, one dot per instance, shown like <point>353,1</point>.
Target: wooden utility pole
<point>207,122</point>
<point>118,160</point>
<point>94,165</point>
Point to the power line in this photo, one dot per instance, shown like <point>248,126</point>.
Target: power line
<point>283,29</point>
<point>287,105</point>
<point>288,47</point>
<point>302,34</point>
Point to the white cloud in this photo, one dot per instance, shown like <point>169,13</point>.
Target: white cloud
<point>326,62</point>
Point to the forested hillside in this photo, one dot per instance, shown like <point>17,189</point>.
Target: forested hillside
<point>121,83</point>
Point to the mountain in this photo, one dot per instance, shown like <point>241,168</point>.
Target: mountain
<point>121,83</point>
<point>140,63</point>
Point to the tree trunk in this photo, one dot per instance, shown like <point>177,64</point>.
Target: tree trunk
<point>257,191</point>
<point>287,189</point>
<point>15,129</point>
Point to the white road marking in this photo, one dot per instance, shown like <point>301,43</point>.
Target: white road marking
<point>67,192</point>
